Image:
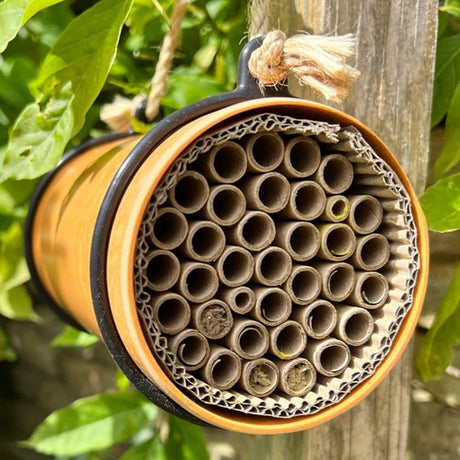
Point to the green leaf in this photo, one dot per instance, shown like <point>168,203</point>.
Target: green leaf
<point>441,204</point>
<point>15,303</point>
<point>435,353</point>
<point>6,353</point>
<point>92,424</point>
<point>70,79</point>
<point>185,441</point>
<point>121,381</point>
<point>15,13</point>
<point>451,7</point>
<point>71,337</point>
<point>447,76</point>
<point>152,449</point>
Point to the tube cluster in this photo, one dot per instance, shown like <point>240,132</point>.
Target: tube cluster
<point>265,265</point>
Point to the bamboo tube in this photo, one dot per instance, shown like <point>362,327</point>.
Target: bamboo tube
<point>366,213</point>
<point>272,266</point>
<point>171,312</point>
<point>337,209</point>
<point>306,202</point>
<point>205,241</point>
<point>197,282</point>
<point>235,266</point>
<point>213,319</point>
<point>264,151</point>
<point>259,377</point>
<point>337,242</point>
<point>297,376</point>
<point>162,270</point>
<point>303,284</point>
<point>226,205</point>
<point>334,174</point>
<point>300,239</point>
<point>223,368</point>
<point>267,192</point>
<point>371,290</point>
<point>302,156</point>
<point>338,279</point>
<point>248,338</point>
<point>318,319</point>
<point>225,163</point>
<point>255,231</point>
<point>190,348</point>
<point>273,306</point>
<point>288,340</point>
<point>169,229</point>
<point>329,356</point>
<point>240,299</point>
<point>190,192</point>
<point>354,325</point>
<point>372,252</point>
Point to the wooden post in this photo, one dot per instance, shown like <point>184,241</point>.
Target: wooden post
<point>393,97</point>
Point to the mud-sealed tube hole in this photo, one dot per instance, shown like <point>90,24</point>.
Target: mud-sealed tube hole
<point>227,163</point>
<point>169,229</point>
<point>226,205</point>
<point>303,285</point>
<point>302,157</point>
<point>190,192</point>
<point>338,241</point>
<point>272,266</point>
<point>213,319</point>
<point>223,368</point>
<point>355,325</point>
<point>335,173</point>
<point>259,377</point>
<point>255,231</point>
<point>162,270</point>
<point>297,376</point>
<point>366,214</point>
<point>265,151</point>
<point>205,241</point>
<point>288,340</point>
<point>235,266</point>
<point>247,338</point>
<point>171,312</point>
<point>273,306</point>
<point>307,201</point>
<point>191,348</point>
<point>198,282</point>
<point>372,252</point>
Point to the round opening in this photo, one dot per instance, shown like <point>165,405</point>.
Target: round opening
<point>263,378</point>
<point>225,370</point>
<point>201,283</point>
<point>375,252</point>
<point>339,208</point>
<point>306,285</point>
<point>367,215</point>
<point>162,271</point>
<point>169,229</point>
<point>299,378</point>
<point>309,200</point>
<point>252,342</point>
<point>208,242</point>
<point>275,266</point>
<point>192,350</point>
<point>173,314</point>
<point>290,341</point>
<point>215,320</point>
<point>340,242</point>
<point>337,174</point>
<point>237,267</point>
<point>243,300</point>
<point>228,205</point>
<point>275,307</point>
<point>340,282</point>
<point>267,151</point>
<point>374,290</point>
<point>322,320</point>
<point>304,157</point>
<point>191,192</point>
<point>304,241</point>
<point>274,193</point>
<point>334,359</point>
<point>230,162</point>
<point>258,231</point>
<point>358,327</point>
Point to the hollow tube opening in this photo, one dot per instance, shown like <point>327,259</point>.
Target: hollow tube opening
<point>162,270</point>
<point>230,162</point>
<point>169,229</point>
<point>190,193</point>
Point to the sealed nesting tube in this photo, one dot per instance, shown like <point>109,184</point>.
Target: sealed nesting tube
<point>267,192</point>
<point>329,356</point>
<point>337,208</point>
<point>259,377</point>
<point>171,312</point>
<point>297,376</point>
<point>213,319</point>
<point>223,368</point>
<point>162,271</point>
<point>338,280</point>
<point>301,159</point>
<point>235,266</point>
<point>255,231</point>
<point>288,340</point>
<point>272,307</point>
<point>334,174</point>
<point>272,266</point>
<point>306,202</point>
<point>225,163</point>
<point>300,239</point>
<point>198,282</point>
<point>355,325</point>
<point>372,252</point>
<point>371,290</point>
<point>248,338</point>
<point>190,347</point>
<point>205,241</point>
<point>190,192</point>
<point>318,318</point>
<point>337,242</point>
<point>303,284</point>
<point>226,205</point>
<point>264,151</point>
<point>240,299</point>
<point>169,228</point>
<point>366,213</point>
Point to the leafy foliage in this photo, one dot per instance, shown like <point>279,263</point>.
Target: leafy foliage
<point>71,337</point>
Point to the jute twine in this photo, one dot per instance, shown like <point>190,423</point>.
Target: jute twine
<point>316,61</point>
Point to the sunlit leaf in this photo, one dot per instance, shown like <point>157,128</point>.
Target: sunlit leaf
<point>185,441</point>
<point>152,449</point>
<point>121,381</point>
<point>6,353</point>
<point>71,337</point>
